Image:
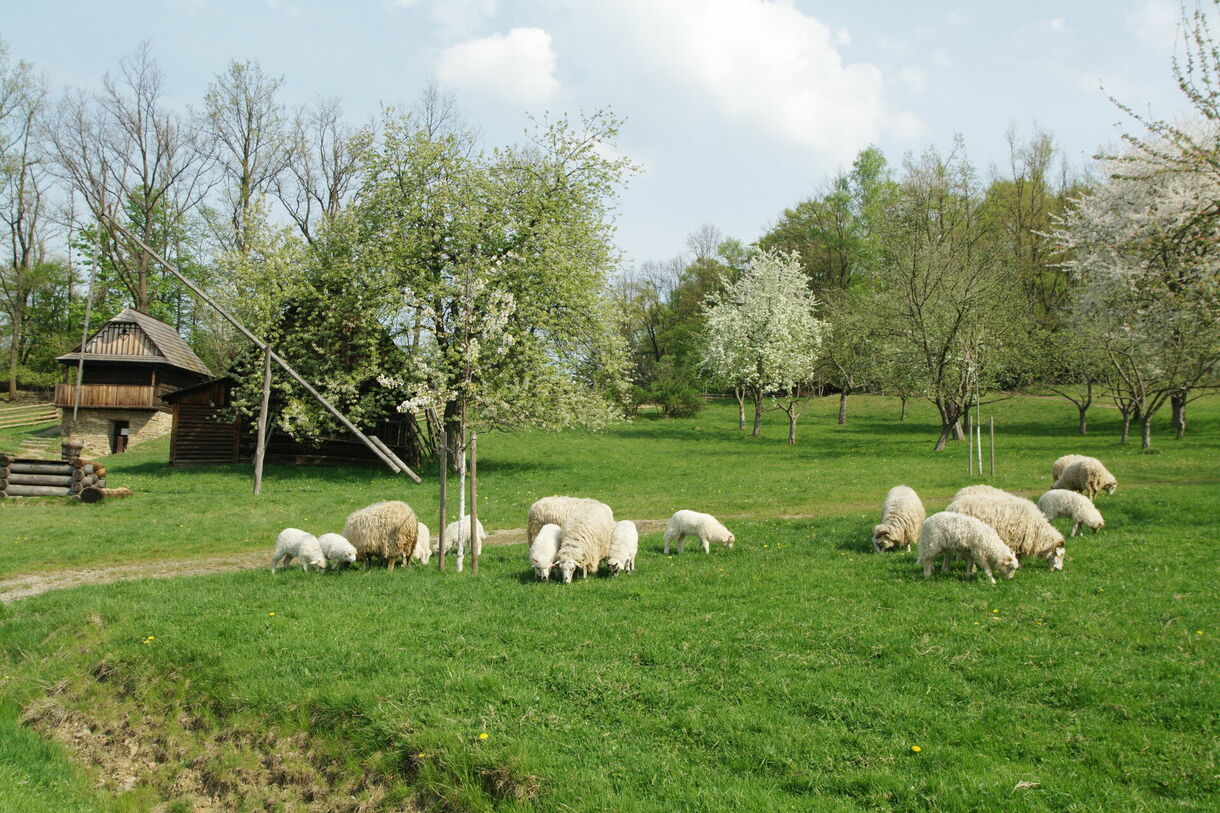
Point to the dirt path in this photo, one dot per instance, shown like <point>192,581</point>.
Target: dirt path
<point>34,584</point>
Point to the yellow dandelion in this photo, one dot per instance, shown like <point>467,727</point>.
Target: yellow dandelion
<point>995,611</point>
<point>976,623</point>
<point>1198,632</point>
<point>152,637</point>
<point>270,613</point>
<point>766,546</point>
<point>916,748</point>
<point>483,736</point>
<point>420,756</point>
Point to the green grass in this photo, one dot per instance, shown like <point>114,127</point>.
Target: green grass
<point>793,672</point>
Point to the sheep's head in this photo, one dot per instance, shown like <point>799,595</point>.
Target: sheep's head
<point>1009,565</point>
<point>1101,523</point>
<point>566,568</point>
<point>349,555</point>
<point>729,540</point>
<point>542,569</point>
<point>318,561</point>
<point>1110,487</point>
<point>881,539</point>
<point>614,566</point>
<point>422,552</point>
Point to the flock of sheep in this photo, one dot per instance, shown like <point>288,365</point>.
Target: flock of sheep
<point>565,535</point>
<point>989,528</point>
<point>992,529</point>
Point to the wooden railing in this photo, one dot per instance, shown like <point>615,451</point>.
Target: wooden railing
<point>109,395</point>
<point>12,417</point>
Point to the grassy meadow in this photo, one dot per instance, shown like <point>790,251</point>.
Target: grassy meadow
<point>797,671</point>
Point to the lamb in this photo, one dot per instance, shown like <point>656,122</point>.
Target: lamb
<point>952,534</point>
<point>295,543</point>
<point>544,549</point>
<point>1019,523</point>
<point>691,523</point>
<point>385,529</point>
<point>457,533</point>
<point>901,516</point>
<point>1062,463</point>
<point>1059,502</point>
<point>585,540</point>
<point>1088,476</point>
<point>624,543</point>
<point>337,550</point>
<point>550,510</point>
<point>423,548</point>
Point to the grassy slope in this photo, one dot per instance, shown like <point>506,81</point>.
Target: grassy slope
<point>791,673</point>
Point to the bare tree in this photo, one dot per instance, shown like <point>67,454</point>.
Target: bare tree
<point>247,124</point>
<point>132,161</point>
<point>320,165</point>
<point>704,241</point>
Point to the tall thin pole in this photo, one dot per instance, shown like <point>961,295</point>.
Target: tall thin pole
<point>476,545</point>
<point>84,336</point>
<point>260,450</point>
<point>440,529</point>
<point>969,452</point>
<point>978,444</point>
<point>993,447</point>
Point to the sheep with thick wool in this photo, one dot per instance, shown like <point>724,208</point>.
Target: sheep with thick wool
<point>387,530</point>
<point>1059,502</point>
<point>1062,463</point>
<point>1019,523</point>
<point>544,549</point>
<point>951,534</point>
<point>902,514</point>
<point>1087,476</point>
<point>585,539</point>
<point>293,543</point>
<point>337,550</point>
<point>553,510</point>
<point>457,534</point>
<point>692,523</point>
<point>982,489</point>
<point>624,544</point>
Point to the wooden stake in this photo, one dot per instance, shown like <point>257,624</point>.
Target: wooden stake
<point>978,444</point>
<point>475,544</point>
<point>260,450</point>
<point>969,452</point>
<point>993,447</point>
<point>440,529</point>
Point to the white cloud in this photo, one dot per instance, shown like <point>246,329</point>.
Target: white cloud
<point>763,63</point>
<point>455,17</point>
<point>940,59</point>
<point>915,77</point>
<point>1155,23</point>
<point>1057,25</point>
<point>517,67</point>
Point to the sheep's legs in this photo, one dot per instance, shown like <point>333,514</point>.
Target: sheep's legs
<point>1075,528</point>
<point>667,543</point>
<point>927,568</point>
<point>681,542</point>
<point>707,546</point>
<point>944,564</point>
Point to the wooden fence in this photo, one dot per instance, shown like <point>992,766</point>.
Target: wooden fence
<point>79,479</point>
<point>12,417</point>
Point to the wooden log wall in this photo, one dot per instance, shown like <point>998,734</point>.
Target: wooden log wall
<point>26,477</point>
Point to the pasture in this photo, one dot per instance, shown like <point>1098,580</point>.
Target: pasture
<point>797,671</point>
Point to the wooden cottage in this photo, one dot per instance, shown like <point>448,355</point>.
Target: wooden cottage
<point>129,364</point>
<point>204,433</point>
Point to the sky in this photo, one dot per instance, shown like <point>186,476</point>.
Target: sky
<point>733,109</point>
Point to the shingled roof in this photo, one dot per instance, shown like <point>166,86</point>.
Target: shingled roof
<point>167,347</point>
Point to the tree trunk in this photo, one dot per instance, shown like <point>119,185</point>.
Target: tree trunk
<point>1146,432</point>
<point>1129,414</point>
<point>950,425</point>
<point>792,428</point>
<point>903,415</point>
<point>1084,420</point>
<point>740,394</point>
<point>1177,420</point>
<point>758,410</point>
<point>842,407</point>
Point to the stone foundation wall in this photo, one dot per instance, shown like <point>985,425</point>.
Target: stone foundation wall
<point>94,426</point>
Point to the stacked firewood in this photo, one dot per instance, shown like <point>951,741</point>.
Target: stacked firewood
<point>78,478</point>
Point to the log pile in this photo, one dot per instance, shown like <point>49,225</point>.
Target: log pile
<point>77,478</point>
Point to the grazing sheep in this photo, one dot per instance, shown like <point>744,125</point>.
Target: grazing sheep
<point>624,543</point>
<point>1062,463</point>
<point>457,533</point>
<point>552,510</point>
<point>385,529</point>
<point>1059,502</point>
<point>423,546</point>
<point>1088,476</point>
<point>901,516</point>
<point>691,523</point>
<point>982,490</point>
<point>544,549</point>
<point>585,539</point>
<point>337,550</point>
<point>295,543</point>
<point>951,534</point>
<point>1019,523</point>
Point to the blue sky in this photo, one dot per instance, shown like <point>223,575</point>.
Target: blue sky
<point>734,109</point>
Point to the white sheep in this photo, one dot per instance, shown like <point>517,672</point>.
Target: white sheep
<point>423,546</point>
<point>624,544</point>
<point>337,550</point>
<point>692,523</point>
<point>982,489</point>
<point>951,534</point>
<point>544,549</point>
<point>1088,476</point>
<point>1059,502</point>
<point>385,529</point>
<point>1062,463</point>
<point>1019,523</point>
<point>457,533</point>
<point>901,515</point>
<point>553,510</point>
<point>585,539</point>
<point>295,543</point>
